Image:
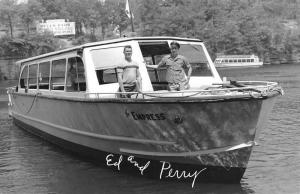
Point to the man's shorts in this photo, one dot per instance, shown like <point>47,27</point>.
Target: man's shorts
<point>132,88</point>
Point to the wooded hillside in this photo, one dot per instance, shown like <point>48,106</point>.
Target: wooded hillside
<point>268,28</point>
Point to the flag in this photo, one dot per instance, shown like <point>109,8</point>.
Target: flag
<point>127,10</point>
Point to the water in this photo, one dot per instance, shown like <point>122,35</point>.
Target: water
<point>31,165</point>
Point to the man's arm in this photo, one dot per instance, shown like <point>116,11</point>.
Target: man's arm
<point>162,62</point>
<point>139,80</point>
<point>153,66</point>
<point>120,80</point>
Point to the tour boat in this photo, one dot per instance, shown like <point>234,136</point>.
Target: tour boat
<point>237,61</point>
<point>205,133</point>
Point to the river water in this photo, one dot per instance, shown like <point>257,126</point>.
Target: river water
<point>31,165</point>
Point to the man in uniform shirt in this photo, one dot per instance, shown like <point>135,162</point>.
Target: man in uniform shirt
<point>129,77</point>
<point>175,76</point>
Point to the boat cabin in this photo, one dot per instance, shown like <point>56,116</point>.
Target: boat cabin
<point>93,67</point>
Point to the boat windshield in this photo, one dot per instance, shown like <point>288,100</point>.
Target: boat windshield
<point>154,52</point>
<point>196,56</point>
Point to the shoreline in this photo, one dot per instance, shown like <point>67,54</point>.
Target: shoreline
<point>3,98</point>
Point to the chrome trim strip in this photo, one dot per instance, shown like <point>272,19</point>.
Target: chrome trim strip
<point>183,154</point>
<point>106,137</point>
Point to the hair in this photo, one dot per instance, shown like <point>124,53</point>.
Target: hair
<point>127,46</point>
<point>175,43</point>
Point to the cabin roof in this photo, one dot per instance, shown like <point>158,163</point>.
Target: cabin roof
<point>113,41</point>
<point>235,56</point>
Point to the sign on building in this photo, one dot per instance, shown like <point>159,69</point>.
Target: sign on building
<point>58,27</point>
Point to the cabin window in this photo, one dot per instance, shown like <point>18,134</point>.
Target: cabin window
<point>58,74</point>
<point>248,60</point>
<point>235,60</point>
<point>107,76</point>
<point>153,52</point>
<point>157,75</point>
<point>230,60</point>
<point>106,60</point>
<point>243,60</point>
<point>24,76</point>
<point>75,75</point>
<point>226,61</point>
<point>252,60</point>
<point>239,60</point>
<point>197,58</point>
<point>32,78</point>
<point>44,74</point>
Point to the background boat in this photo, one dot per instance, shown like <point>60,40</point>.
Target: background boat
<point>226,61</point>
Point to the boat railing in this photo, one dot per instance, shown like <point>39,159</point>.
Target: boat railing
<point>254,89</point>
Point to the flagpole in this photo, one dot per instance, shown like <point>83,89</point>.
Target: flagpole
<point>132,29</point>
<point>131,19</point>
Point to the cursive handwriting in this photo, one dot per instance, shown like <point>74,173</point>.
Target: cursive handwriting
<point>136,164</point>
<point>166,166</point>
<point>110,163</point>
<point>130,159</point>
<point>166,170</point>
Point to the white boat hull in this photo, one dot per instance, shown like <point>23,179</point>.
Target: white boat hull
<point>198,134</point>
<point>239,65</point>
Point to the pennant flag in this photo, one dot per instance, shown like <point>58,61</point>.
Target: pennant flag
<point>127,10</point>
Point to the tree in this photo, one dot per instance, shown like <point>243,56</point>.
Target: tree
<point>30,12</point>
<point>78,10</point>
<point>8,12</point>
<point>150,13</point>
<point>104,12</point>
<point>28,45</point>
<point>52,9</point>
<point>93,22</point>
<point>120,20</point>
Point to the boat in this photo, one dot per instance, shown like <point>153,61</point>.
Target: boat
<point>205,133</point>
<point>225,61</point>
